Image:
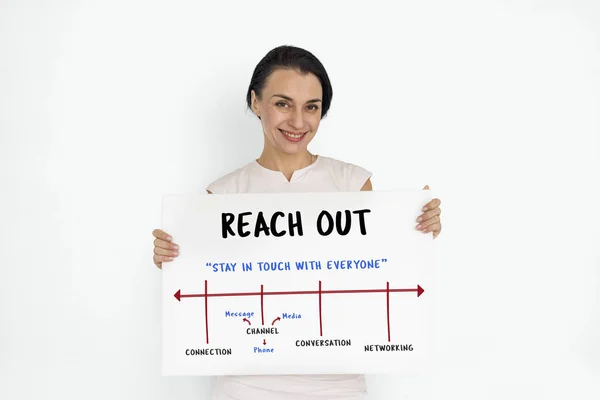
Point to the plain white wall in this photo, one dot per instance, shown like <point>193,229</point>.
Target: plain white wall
<point>106,106</point>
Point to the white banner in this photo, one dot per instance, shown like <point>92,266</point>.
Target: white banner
<point>296,283</point>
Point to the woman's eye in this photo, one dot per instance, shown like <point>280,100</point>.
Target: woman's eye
<point>313,107</point>
<point>281,104</point>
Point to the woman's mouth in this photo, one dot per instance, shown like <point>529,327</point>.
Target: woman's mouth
<point>293,136</point>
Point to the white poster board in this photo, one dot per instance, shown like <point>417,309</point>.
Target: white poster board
<point>298,283</point>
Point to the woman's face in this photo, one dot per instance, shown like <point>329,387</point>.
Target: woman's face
<point>289,109</point>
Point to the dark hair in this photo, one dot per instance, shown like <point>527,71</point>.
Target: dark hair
<point>290,57</point>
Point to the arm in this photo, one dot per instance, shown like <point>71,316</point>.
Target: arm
<point>367,187</point>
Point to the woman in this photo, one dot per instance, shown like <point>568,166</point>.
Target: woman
<point>290,93</point>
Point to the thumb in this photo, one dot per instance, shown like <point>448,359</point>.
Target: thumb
<point>426,187</point>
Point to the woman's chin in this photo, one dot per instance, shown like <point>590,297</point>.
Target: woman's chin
<point>292,148</point>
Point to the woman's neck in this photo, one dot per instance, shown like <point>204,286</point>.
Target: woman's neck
<point>285,163</point>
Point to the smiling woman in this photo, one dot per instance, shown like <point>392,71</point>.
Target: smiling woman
<point>291,119</point>
<point>290,93</point>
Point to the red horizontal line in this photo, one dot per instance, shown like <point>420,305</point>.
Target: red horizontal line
<point>299,292</point>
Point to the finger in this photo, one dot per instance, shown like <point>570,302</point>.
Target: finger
<point>433,228</point>
<point>159,260</point>
<point>432,204</point>
<point>425,225</point>
<point>162,259</point>
<point>426,187</point>
<point>165,245</point>
<point>429,214</point>
<point>164,252</point>
<point>159,234</point>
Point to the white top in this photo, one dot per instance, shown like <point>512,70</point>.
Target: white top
<point>323,175</point>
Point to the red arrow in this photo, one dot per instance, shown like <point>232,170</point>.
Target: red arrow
<point>179,296</point>
<point>247,321</point>
<point>275,320</point>
<point>264,341</point>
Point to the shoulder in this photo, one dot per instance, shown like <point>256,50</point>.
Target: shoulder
<point>353,177</point>
<point>342,168</point>
<point>229,183</point>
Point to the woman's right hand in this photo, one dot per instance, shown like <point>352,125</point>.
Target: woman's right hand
<point>164,248</point>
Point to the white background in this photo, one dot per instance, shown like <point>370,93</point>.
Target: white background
<point>106,106</point>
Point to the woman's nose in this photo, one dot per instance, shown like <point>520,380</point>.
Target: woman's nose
<point>297,119</point>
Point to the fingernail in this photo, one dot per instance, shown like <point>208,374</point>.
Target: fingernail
<point>169,238</point>
<point>425,208</point>
<point>176,247</point>
<point>419,219</point>
<point>418,226</point>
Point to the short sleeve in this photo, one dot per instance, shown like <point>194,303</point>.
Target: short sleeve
<point>231,183</point>
<point>356,177</point>
<point>223,185</point>
<point>215,187</point>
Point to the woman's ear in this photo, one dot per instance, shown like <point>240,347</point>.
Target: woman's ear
<point>254,103</point>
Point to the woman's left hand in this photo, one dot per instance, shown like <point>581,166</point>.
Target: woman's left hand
<point>430,220</point>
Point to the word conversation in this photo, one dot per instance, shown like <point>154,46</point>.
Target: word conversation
<point>296,283</point>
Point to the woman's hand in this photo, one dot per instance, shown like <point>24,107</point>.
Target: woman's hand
<point>164,249</point>
<point>430,220</point>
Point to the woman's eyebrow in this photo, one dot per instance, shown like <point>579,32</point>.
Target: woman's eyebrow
<point>290,99</point>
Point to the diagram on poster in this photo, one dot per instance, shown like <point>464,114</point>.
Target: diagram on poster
<point>302,283</point>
